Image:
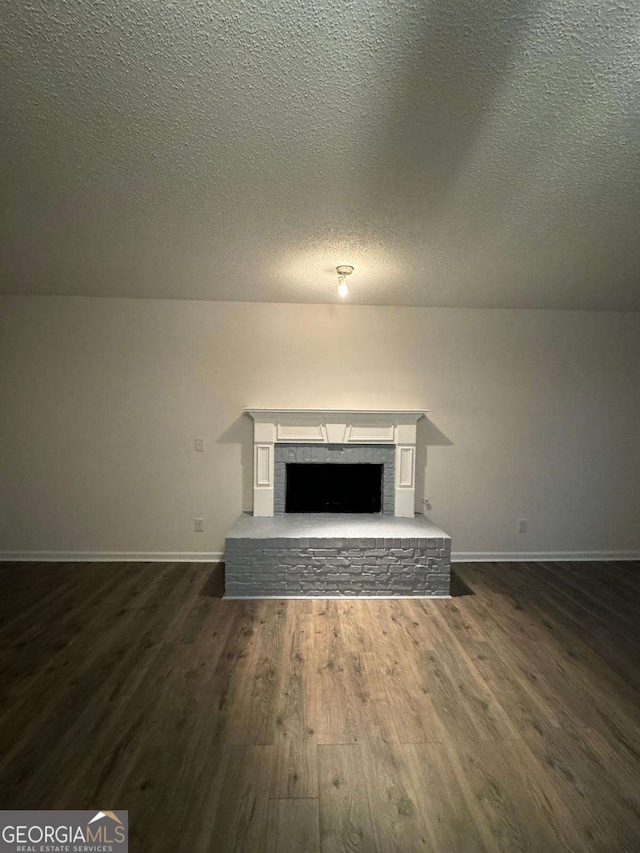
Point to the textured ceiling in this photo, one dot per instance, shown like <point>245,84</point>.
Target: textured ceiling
<point>457,152</point>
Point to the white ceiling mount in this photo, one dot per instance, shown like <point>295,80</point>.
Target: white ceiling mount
<point>343,271</point>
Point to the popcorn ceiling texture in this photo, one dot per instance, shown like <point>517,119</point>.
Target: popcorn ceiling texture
<point>479,154</point>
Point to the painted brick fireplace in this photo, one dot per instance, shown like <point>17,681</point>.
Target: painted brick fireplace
<point>335,454</point>
<point>276,552</point>
<point>334,427</point>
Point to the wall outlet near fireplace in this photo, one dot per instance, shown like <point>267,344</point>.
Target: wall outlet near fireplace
<point>522,525</point>
<point>198,525</point>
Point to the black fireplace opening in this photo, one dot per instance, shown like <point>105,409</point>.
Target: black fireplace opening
<point>327,487</point>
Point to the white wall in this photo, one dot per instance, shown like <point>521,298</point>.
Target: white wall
<point>534,414</point>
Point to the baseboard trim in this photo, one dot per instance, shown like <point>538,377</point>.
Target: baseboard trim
<point>111,556</point>
<point>541,556</point>
<point>217,556</point>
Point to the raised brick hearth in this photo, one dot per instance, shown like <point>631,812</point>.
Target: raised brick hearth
<point>336,556</point>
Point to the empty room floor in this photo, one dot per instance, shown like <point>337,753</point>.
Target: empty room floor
<point>506,718</point>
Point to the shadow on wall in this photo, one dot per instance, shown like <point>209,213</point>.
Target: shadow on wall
<point>241,432</point>
<point>427,435</point>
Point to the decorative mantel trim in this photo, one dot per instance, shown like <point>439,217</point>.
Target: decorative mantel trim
<point>334,426</point>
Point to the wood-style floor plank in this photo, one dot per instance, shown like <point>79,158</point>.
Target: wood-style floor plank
<point>296,757</point>
<point>399,822</point>
<point>506,718</point>
<point>447,821</point>
<point>513,805</point>
<point>242,814</point>
<point>346,820</point>
<point>256,677</point>
<point>339,697</point>
<point>293,826</point>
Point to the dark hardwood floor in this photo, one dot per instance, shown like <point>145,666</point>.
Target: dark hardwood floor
<point>506,719</point>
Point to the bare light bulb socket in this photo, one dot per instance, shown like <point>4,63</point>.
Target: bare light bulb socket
<point>343,271</point>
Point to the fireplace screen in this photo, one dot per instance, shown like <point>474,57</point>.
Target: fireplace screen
<point>333,488</point>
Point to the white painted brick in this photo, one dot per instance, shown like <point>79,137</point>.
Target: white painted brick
<point>372,566</point>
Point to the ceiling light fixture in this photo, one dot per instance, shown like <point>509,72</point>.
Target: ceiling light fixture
<point>343,271</point>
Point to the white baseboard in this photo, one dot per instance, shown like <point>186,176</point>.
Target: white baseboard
<point>112,556</point>
<point>540,556</point>
<point>217,556</point>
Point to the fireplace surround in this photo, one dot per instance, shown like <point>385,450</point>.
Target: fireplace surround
<point>334,428</point>
<point>365,542</point>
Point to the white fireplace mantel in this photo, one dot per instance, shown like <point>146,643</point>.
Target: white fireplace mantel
<point>334,426</point>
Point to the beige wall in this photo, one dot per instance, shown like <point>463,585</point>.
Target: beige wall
<point>534,414</point>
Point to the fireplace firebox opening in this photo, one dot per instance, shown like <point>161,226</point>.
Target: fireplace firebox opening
<point>317,487</point>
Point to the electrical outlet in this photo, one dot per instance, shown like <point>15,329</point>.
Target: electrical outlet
<point>199,444</point>
<point>199,525</point>
<point>522,525</point>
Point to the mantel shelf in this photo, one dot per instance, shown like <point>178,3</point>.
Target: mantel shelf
<point>417,413</point>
